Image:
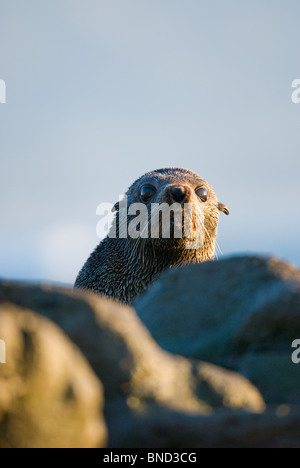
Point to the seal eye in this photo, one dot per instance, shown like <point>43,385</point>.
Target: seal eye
<point>202,193</point>
<point>146,192</point>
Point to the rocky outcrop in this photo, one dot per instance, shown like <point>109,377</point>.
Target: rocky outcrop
<point>139,378</point>
<point>241,313</point>
<point>222,429</point>
<point>49,395</point>
<point>201,390</point>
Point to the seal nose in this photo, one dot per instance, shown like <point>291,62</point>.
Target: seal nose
<point>178,193</point>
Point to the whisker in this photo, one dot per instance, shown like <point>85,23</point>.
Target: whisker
<point>212,243</point>
<point>139,247</point>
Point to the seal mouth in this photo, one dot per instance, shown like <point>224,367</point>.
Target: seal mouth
<point>174,226</point>
<point>177,222</point>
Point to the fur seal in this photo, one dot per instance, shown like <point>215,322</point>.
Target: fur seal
<point>122,268</point>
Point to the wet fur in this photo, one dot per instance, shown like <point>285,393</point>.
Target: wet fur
<point>123,268</point>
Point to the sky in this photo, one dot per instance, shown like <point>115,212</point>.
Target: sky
<point>99,92</point>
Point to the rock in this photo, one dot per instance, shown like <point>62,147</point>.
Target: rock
<point>241,313</point>
<point>222,429</point>
<point>139,378</point>
<point>49,396</point>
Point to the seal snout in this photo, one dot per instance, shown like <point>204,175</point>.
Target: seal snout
<point>179,193</point>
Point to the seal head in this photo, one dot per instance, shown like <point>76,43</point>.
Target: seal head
<point>122,267</point>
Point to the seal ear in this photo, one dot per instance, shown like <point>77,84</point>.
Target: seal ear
<point>223,208</point>
<point>115,208</point>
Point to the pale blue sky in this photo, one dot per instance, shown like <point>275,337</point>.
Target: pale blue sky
<point>99,92</point>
